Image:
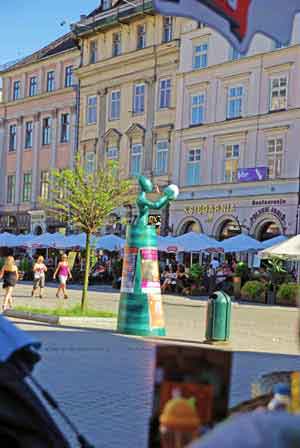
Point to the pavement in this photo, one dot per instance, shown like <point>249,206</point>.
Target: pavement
<point>257,328</point>
<point>104,380</point>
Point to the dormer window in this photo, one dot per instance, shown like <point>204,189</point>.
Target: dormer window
<point>106,4</point>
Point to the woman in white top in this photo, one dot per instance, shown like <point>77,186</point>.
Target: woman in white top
<point>39,270</point>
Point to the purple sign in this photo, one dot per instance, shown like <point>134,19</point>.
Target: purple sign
<point>252,174</point>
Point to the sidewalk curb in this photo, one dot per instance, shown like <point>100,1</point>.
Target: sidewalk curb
<point>109,323</point>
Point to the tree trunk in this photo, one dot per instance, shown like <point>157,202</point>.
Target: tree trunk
<point>87,271</point>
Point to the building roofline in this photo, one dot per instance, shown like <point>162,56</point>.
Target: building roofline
<point>63,44</point>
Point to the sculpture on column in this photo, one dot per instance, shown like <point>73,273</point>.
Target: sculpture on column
<point>140,308</point>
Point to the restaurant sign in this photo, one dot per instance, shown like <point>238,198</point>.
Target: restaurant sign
<point>252,174</point>
<point>268,210</point>
<point>209,209</point>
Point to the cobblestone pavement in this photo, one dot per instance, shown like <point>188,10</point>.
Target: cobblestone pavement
<point>253,328</point>
<point>104,380</point>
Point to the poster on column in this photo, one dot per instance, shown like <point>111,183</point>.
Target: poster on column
<point>150,271</point>
<point>129,268</point>
<point>156,311</point>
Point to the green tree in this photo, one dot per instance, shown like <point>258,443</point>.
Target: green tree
<point>85,201</point>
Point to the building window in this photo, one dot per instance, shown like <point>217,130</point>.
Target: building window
<point>116,44</point>
<point>234,54</point>
<point>27,184</point>
<point>91,113</point>
<point>141,36</point>
<point>164,93</point>
<point>90,162</point>
<point>46,138</point>
<point>232,154</point>
<point>93,52</point>
<point>28,134</point>
<point>44,186</point>
<point>278,93</point>
<point>162,148</point>
<point>106,4</point>
<point>16,90</point>
<point>193,167</point>
<point>275,157</point>
<point>167,29</point>
<point>200,55</point>
<point>51,81</point>
<point>197,109</point>
<point>113,153</point>
<point>139,99</point>
<point>69,76</point>
<point>115,99</point>
<point>33,86</point>
<point>11,189</point>
<point>136,159</point>
<point>276,45</point>
<point>65,128</point>
<point>235,102</point>
<point>12,137</point>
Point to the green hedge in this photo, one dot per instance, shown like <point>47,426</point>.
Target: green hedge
<point>253,290</point>
<point>288,292</point>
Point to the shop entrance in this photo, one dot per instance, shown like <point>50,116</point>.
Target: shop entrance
<point>268,230</point>
<point>228,229</point>
<point>190,226</point>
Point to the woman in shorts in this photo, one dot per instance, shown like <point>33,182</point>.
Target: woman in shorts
<point>64,273</point>
<point>39,270</point>
<point>10,276</point>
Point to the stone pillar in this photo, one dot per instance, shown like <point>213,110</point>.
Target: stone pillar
<point>102,105</point>
<point>54,138</point>
<point>73,136</point>
<point>19,161</point>
<point>150,117</point>
<point>35,158</point>
<point>2,162</point>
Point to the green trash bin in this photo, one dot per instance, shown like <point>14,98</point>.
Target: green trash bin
<point>218,317</point>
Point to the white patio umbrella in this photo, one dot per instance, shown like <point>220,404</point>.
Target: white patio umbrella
<point>196,242</point>
<point>77,240</point>
<point>241,243</point>
<point>23,240</point>
<point>110,243</point>
<point>274,241</point>
<point>290,250</point>
<point>169,244</point>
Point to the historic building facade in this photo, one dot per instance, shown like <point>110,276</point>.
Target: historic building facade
<point>129,59</point>
<point>236,136</point>
<point>38,122</point>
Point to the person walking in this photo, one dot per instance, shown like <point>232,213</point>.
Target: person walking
<point>39,270</point>
<point>64,273</point>
<point>9,274</point>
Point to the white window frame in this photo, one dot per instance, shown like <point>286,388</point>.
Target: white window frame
<point>65,127</point>
<point>286,87</point>
<point>200,105</point>
<point>93,52</point>
<point>165,93</point>
<point>28,127</point>
<point>167,32</point>
<point>233,157</point>
<point>234,54</point>
<point>69,76</point>
<point>16,90</point>
<point>12,138</point>
<point>52,85</point>
<point>193,160</point>
<point>44,184</point>
<point>199,55</point>
<point>141,32</point>
<point>90,162</point>
<point>91,110</point>
<point>162,157</point>
<point>29,185</point>
<point>134,153</point>
<point>11,194</point>
<point>46,131</point>
<point>116,44</point>
<point>139,99</point>
<point>33,86</point>
<point>112,153</point>
<point>235,99</point>
<point>276,159</point>
<point>115,105</point>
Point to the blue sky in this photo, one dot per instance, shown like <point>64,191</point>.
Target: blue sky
<point>27,25</point>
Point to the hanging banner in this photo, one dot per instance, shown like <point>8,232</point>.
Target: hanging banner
<point>150,270</point>
<point>238,20</point>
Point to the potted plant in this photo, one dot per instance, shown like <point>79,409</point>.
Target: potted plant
<point>117,266</point>
<point>25,269</point>
<point>288,294</point>
<point>239,277</point>
<point>277,275</point>
<point>254,291</point>
<point>196,276</point>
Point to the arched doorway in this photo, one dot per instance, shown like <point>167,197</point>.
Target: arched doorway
<point>38,230</point>
<point>268,230</point>
<point>191,225</point>
<point>228,229</point>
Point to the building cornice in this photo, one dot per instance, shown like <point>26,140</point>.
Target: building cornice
<point>32,99</point>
